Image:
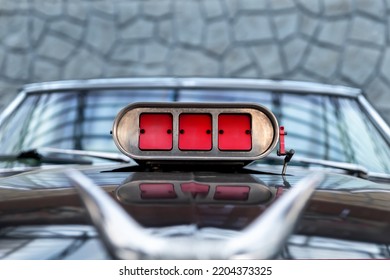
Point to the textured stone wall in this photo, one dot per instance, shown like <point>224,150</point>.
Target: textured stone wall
<point>332,41</point>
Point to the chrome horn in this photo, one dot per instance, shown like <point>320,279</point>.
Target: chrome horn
<point>127,239</point>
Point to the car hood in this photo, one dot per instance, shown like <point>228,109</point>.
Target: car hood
<point>341,206</point>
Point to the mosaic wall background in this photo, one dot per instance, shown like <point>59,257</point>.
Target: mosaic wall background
<point>344,42</point>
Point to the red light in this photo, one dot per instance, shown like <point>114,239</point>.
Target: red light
<point>234,132</point>
<point>157,191</point>
<point>155,132</point>
<point>282,149</point>
<point>232,193</point>
<point>195,132</point>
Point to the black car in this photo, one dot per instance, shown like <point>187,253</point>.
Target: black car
<point>210,169</point>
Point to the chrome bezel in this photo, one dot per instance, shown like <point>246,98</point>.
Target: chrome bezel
<point>265,131</point>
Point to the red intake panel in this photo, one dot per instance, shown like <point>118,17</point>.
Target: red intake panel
<point>155,131</point>
<point>195,132</point>
<point>234,132</point>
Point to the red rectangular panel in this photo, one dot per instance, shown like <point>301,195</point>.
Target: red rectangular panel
<point>155,131</point>
<point>234,132</point>
<point>195,132</point>
<point>157,191</point>
<point>231,193</point>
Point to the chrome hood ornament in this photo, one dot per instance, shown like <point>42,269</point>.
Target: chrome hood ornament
<point>127,239</point>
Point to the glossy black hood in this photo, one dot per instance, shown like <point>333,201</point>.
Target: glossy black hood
<point>342,206</point>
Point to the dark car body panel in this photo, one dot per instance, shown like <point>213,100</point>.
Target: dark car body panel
<point>342,207</point>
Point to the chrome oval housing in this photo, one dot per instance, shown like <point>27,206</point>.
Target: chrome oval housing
<point>264,132</point>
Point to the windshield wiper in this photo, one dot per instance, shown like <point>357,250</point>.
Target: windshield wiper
<point>56,156</point>
<point>351,168</point>
<point>101,155</point>
<point>34,157</point>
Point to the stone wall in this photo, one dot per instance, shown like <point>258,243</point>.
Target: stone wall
<point>331,41</point>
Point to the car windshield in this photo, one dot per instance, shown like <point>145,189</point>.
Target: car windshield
<point>326,127</point>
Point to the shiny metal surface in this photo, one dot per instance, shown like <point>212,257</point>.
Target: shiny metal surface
<point>12,107</point>
<point>375,117</point>
<point>250,84</point>
<point>265,237</point>
<point>262,239</point>
<point>309,247</point>
<point>264,131</point>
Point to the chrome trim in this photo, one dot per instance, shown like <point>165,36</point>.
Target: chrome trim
<point>379,122</point>
<point>12,107</point>
<point>126,239</point>
<point>123,236</point>
<point>115,83</point>
<point>264,127</point>
<point>51,231</point>
<point>265,237</point>
<point>370,191</point>
<point>191,83</point>
<point>377,175</point>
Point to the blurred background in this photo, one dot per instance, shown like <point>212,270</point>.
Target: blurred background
<point>341,42</point>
